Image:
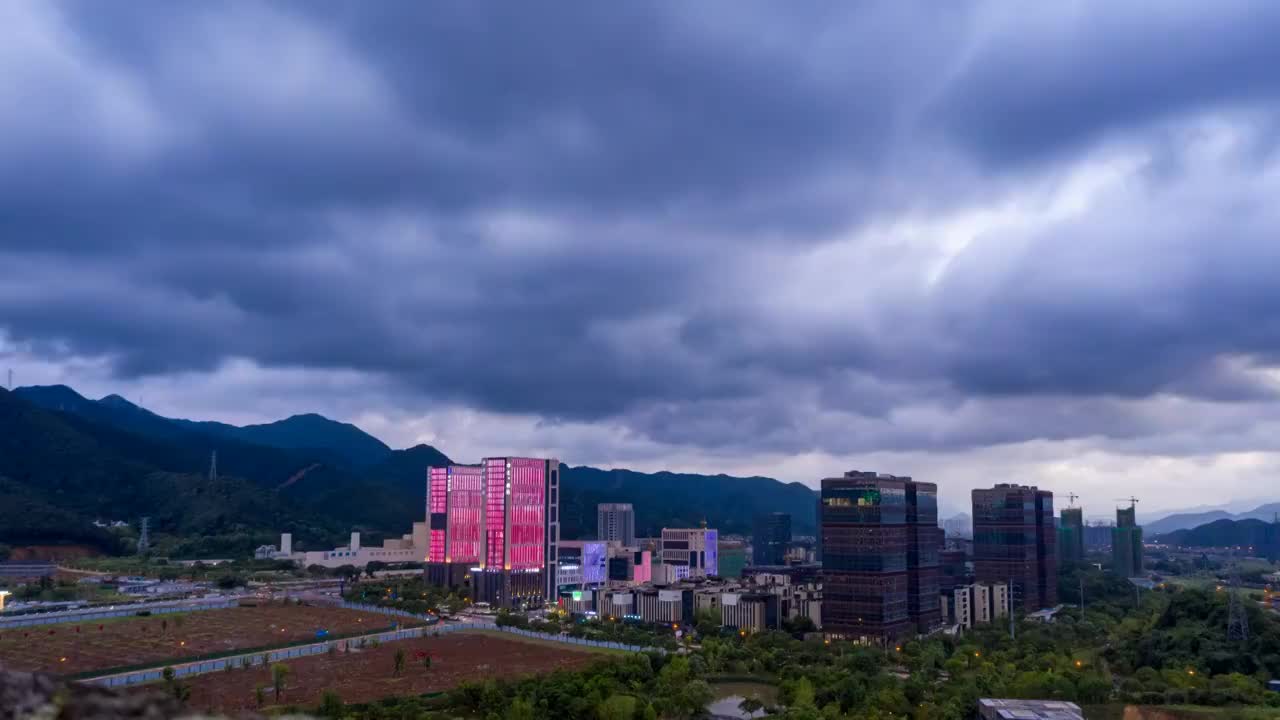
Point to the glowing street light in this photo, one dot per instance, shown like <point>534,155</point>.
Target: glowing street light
<point>3,594</point>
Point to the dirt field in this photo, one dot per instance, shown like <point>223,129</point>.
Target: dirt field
<point>159,638</point>
<point>53,552</point>
<point>365,675</point>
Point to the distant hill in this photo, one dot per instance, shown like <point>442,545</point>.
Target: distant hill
<point>110,460</point>
<point>959,525</point>
<point>58,475</point>
<point>312,472</point>
<point>1184,521</point>
<point>667,499</point>
<point>305,432</point>
<point>341,441</point>
<point>1264,536</point>
<point>406,470</point>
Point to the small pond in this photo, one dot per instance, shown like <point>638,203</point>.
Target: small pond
<point>729,695</point>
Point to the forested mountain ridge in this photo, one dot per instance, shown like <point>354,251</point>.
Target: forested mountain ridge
<point>71,460</point>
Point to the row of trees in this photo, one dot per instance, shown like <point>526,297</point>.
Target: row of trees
<point>409,593</point>
<point>1163,647</point>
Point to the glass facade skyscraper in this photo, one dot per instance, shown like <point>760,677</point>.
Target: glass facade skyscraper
<point>1014,541</point>
<point>496,524</point>
<point>769,539</point>
<point>880,546</point>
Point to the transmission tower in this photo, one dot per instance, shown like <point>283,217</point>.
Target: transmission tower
<point>1237,618</point>
<point>144,536</point>
<point>213,466</point>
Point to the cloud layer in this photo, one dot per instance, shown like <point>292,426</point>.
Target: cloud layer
<point>966,243</point>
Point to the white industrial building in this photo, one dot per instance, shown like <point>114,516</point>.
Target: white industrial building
<point>406,548</point>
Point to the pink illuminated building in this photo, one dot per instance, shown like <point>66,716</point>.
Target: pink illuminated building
<point>495,525</point>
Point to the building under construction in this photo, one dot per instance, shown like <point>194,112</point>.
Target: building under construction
<point>1126,543</point>
<point>1071,535</point>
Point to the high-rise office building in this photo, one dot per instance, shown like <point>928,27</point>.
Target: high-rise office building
<point>880,545</point>
<point>1014,541</point>
<point>616,522</point>
<point>817,523</point>
<point>1126,543</point>
<point>1071,535</point>
<point>772,534</point>
<point>924,550</point>
<point>496,524</point>
<point>953,570</point>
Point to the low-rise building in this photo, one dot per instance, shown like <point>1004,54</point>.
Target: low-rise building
<point>693,552</point>
<point>27,569</point>
<point>989,709</point>
<point>968,605</point>
<point>406,548</point>
<point>617,603</point>
<point>664,605</point>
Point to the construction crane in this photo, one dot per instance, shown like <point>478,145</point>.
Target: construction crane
<point>1072,497</point>
<point>1133,501</point>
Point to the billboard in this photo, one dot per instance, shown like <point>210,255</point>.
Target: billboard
<point>669,596</point>
<point>729,599</point>
<point>623,598</point>
<point>594,562</point>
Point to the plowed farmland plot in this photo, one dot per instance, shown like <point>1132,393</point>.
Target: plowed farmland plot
<point>363,675</point>
<point>68,648</point>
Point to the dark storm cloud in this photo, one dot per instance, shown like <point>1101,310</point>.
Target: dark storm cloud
<point>606,213</point>
<point>1042,84</point>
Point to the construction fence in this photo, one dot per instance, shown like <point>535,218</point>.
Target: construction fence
<point>126,611</point>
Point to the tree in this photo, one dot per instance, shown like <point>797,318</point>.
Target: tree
<point>374,566</point>
<point>521,709</point>
<point>229,581</point>
<point>279,674</point>
<point>260,695</point>
<point>751,705</point>
<point>399,662</point>
<point>617,707</point>
<point>178,691</point>
<point>331,705</point>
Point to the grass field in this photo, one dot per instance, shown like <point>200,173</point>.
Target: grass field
<point>70,648</point>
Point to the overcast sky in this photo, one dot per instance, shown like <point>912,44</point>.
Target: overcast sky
<point>968,242</point>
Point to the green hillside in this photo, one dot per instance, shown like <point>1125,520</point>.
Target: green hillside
<point>66,460</point>
<point>667,499</point>
<point>1263,536</point>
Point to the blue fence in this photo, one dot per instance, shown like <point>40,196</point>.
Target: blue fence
<point>180,670</point>
<point>93,615</point>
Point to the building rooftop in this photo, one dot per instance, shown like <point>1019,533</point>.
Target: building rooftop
<point>1029,710</point>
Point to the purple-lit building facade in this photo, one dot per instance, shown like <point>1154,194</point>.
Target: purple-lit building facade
<point>496,525</point>
<point>694,552</point>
